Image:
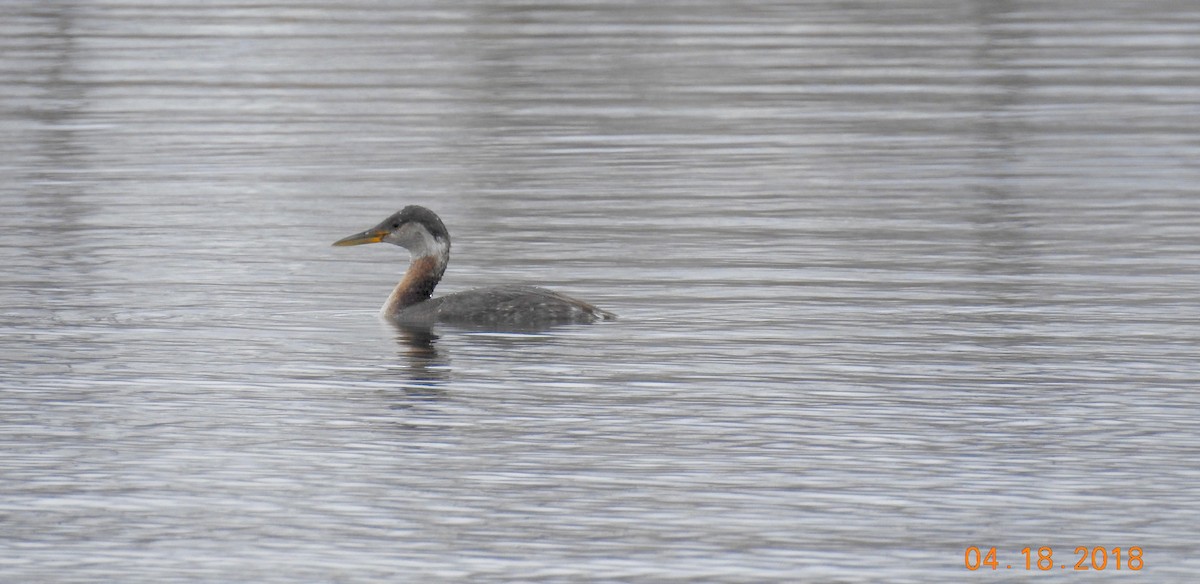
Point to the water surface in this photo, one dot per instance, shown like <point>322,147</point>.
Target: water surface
<point>893,281</point>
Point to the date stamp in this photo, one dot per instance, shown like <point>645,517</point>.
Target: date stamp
<point>1089,559</point>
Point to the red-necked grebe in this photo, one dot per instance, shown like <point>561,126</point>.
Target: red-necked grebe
<point>423,234</point>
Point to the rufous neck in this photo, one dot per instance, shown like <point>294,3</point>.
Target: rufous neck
<point>418,283</point>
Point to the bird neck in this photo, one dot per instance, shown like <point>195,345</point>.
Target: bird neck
<point>419,280</point>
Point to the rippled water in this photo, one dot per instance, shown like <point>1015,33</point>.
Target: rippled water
<point>895,280</point>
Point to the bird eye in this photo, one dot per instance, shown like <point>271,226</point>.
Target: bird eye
<point>395,226</point>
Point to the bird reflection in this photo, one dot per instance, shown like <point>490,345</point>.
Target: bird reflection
<point>426,367</point>
<point>417,342</point>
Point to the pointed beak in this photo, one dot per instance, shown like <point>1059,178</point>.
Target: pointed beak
<point>374,235</point>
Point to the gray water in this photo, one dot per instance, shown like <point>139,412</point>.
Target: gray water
<point>894,279</point>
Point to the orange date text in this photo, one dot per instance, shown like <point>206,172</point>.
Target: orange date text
<point>1083,559</point>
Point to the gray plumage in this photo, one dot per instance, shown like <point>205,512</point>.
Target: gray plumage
<point>502,306</point>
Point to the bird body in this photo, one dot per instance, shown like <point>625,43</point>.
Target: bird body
<point>423,234</point>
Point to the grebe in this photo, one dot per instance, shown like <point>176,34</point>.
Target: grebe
<point>423,234</point>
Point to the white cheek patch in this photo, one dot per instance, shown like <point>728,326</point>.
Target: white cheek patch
<point>419,241</point>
